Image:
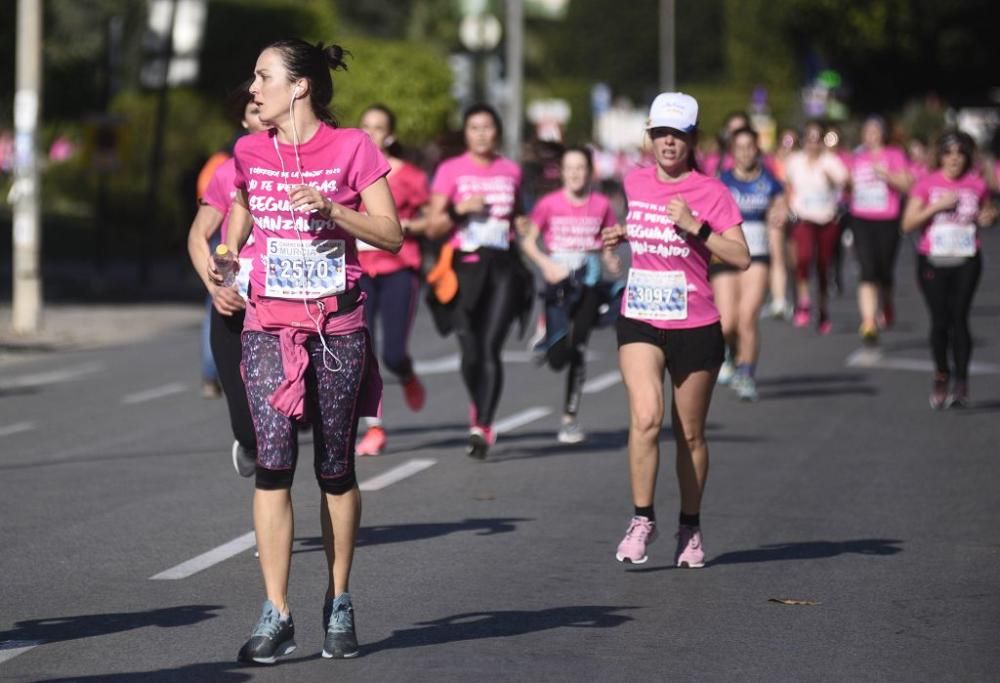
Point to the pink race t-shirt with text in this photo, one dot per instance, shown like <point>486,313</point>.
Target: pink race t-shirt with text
<point>219,195</point>
<point>938,234</point>
<point>871,197</point>
<point>668,283</point>
<point>340,163</point>
<point>568,226</point>
<point>498,182</point>
<point>408,185</point>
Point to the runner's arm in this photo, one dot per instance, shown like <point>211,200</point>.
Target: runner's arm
<point>917,212</point>
<point>205,223</point>
<point>379,226</point>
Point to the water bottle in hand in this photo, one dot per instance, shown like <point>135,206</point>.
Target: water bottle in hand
<point>226,264</point>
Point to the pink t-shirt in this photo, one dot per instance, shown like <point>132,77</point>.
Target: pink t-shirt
<point>219,195</point>
<point>871,197</point>
<point>952,233</point>
<point>668,281</point>
<point>568,226</point>
<point>499,182</point>
<point>340,162</point>
<point>408,185</point>
<point>815,185</point>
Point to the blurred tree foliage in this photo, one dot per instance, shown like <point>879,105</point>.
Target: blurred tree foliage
<point>410,78</point>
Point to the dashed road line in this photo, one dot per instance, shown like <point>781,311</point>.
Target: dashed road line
<point>37,379</point>
<point>874,358</point>
<point>247,540</point>
<point>12,648</point>
<point>154,393</point>
<point>602,382</point>
<point>521,418</point>
<point>17,428</point>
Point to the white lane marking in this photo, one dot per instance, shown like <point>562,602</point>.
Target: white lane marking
<point>206,560</point>
<point>12,648</point>
<point>452,363</point>
<point>602,382</point>
<point>37,379</point>
<point>873,358</point>
<point>248,540</point>
<point>17,428</point>
<point>521,418</point>
<point>438,366</point>
<point>154,393</point>
<point>398,473</point>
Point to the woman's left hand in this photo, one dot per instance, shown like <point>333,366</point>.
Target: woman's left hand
<point>308,198</point>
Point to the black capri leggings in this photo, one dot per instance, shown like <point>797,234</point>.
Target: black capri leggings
<point>227,349</point>
<point>948,291</point>
<point>876,244</point>
<point>487,307</point>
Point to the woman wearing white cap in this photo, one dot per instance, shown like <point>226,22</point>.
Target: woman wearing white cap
<point>677,219</point>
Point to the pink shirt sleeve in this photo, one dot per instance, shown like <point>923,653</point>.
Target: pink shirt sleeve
<point>216,195</point>
<point>368,165</point>
<point>921,189</point>
<point>540,215</point>
<point>444,180</point>
<point>724,212</point>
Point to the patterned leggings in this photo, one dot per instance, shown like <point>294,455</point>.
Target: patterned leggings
<point>331,407</point>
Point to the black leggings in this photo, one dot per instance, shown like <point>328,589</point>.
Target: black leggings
<point>948,292</point>
<point>392,298</point>
<point>572,349</point>
<point>482,323</point>
<point>227,349</point>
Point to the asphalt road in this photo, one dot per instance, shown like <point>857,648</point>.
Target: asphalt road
<point>839,487</point>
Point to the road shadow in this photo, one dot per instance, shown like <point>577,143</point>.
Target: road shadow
<point>499,624</point>
<point>810,550</point>
<point>217,672</point>
<point>58,629</point>
<point>976,407</point>
<point>814,385</point>
<point>402,533</point>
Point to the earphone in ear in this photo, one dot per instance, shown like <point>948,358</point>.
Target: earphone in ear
<point>297,90</point>
<point>389,139</point>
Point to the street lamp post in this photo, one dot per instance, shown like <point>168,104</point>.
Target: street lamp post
<point>27,300</point>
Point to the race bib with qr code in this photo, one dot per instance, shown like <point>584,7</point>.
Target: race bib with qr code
<point>755,233</point>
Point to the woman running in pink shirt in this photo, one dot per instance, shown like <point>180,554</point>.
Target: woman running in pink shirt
<point>677,219</point>
<point>948,207</point>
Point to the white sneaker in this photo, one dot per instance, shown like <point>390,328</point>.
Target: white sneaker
<point>726,373</point>
<point>571,433</point>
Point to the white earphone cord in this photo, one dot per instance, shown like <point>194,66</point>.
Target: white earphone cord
<point>318,322</point>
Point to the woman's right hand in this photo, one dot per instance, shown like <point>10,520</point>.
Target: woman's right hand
<point>227,300</point>
<point>473,204</point>
<point>553,272</point>
<point>946,202</point>
<point>613,235</point>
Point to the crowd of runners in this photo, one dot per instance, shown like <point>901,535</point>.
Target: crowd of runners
<point>334,239</point>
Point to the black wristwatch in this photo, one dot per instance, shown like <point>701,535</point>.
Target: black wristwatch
<point>704,232</point>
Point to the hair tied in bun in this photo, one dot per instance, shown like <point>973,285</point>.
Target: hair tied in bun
<point>334,55</point>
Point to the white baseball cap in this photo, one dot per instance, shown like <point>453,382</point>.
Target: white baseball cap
<point>673,110</point>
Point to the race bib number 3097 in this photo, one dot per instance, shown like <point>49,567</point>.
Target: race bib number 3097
<point>656,295</point>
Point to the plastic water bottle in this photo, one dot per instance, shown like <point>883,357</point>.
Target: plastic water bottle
<point>226,264</point>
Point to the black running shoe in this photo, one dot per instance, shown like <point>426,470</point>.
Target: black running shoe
<point>338,617</point>
<point>244,460</point>
<point>271,638</point>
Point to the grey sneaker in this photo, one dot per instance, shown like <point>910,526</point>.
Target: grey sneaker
<point>273,637</point>
<point>746,388</point>
<point>338,618</point>
<point>244,461</point>
<point>570,433</point>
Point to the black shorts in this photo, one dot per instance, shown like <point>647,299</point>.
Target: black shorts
<point>876,244</point>
<point>716,267</point>
<point>685,351</point>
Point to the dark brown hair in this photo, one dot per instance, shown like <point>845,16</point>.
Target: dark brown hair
<point>313,63</point>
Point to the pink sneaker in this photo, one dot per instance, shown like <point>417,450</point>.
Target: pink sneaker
<point>939,391</point>
<point>690,552</point>
<point>801,317</point>
<point>372,443</point>
<point>414,393</point>
<point>480,440</point>
<point>641,532</point>
<point>825,326</point>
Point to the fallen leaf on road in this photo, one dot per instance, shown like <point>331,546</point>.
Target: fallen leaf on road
<point>790,601</point>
